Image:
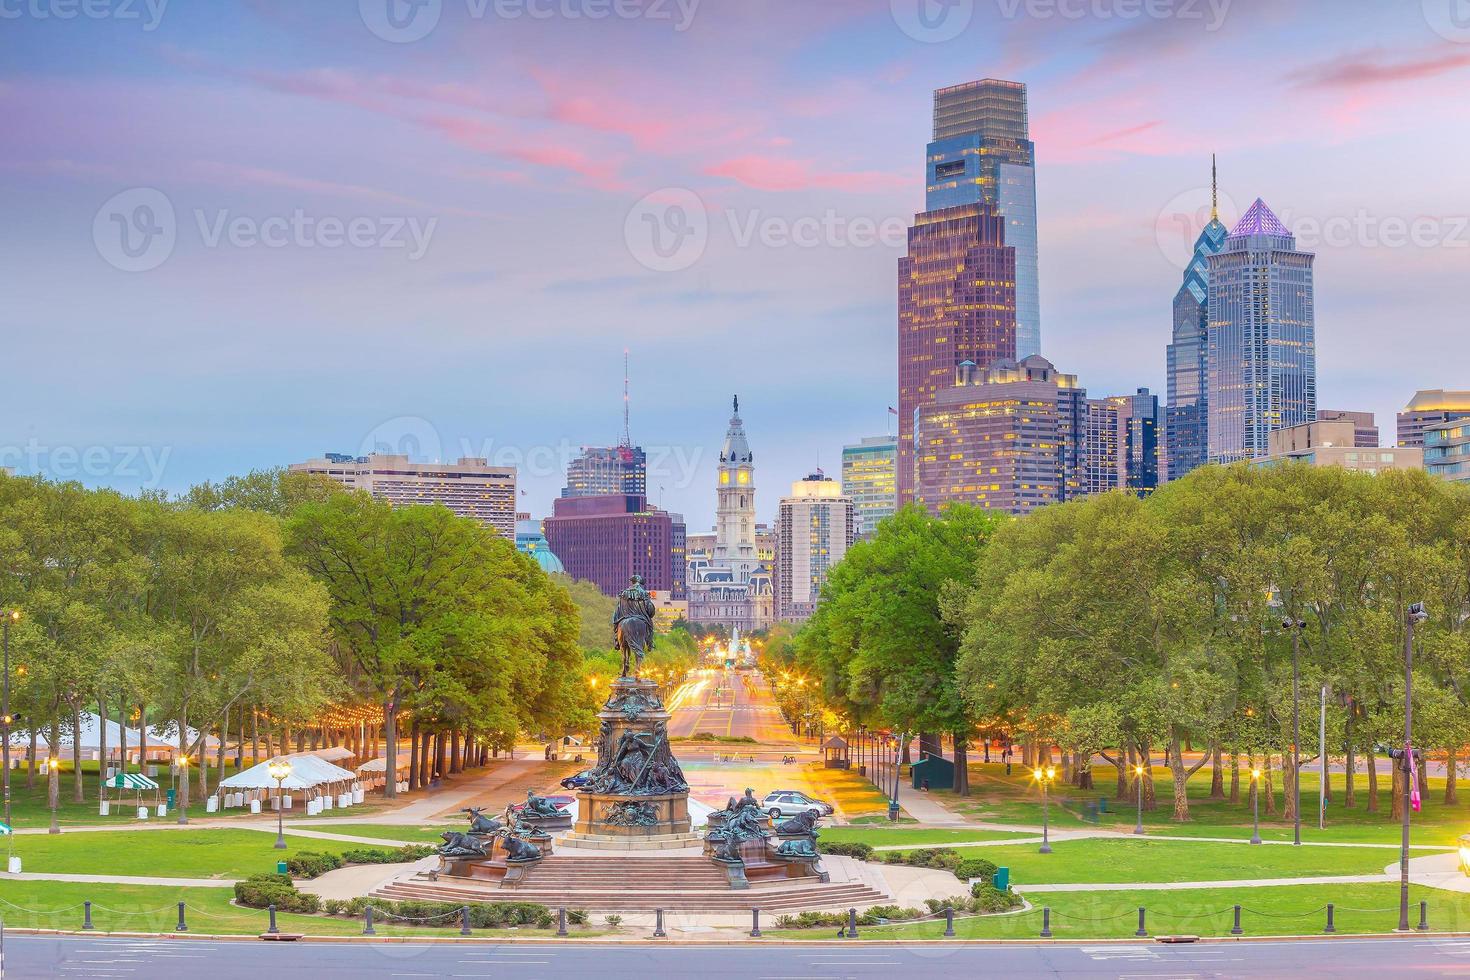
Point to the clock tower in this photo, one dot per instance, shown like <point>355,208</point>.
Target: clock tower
<point>735,506</point>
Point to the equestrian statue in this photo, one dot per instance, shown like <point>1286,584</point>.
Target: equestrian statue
<point>632,624</point>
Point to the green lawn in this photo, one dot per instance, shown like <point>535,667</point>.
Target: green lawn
<point>133,908</point>
<point>414,833</point>
<point>201,853</point>
<point>884,836</point>
<point>1285,910</point>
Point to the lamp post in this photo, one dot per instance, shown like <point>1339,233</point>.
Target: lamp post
<point>1255,806</point>
<point>1138,780</point>
<point>903,739</point>
<point>6,618</point>
<point>1044,777</point>
<point>1296,626</point>
<point>53,790</point>
<point>279,770</point>
<point>1414,616</point>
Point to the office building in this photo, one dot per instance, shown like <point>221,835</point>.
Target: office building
<point>982,154</point>
<point>870,479</point>
<point>1335,444</point>
<point>816,526</point>
<point>1261,345</point>
<point>1185,442</point>
<point>1430,408</point>
<point>470,487</point>
<point>1447,451</point>
<point>608,539</point>
<point>1365,429</point>
<point>600,470</point>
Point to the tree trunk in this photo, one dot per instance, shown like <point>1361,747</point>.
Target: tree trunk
<point>1422,774</point>
<point>31,760</point>
<point>1181,779</point>
<point>961,764</point>
<point>1397,812</point>
<point>390,743</point>
<point>102,749</point>
<point>414,781</point>
<point>1217,774</point>
<point>1234,776</point>
<point>1349,765</point>
<point>78,794</point>
<point>224,731</point>
<point>183,801</point>
<point>1370,759</point>
<point>1270,781</point>
<point>1450,778</point>
<point>454,751</point>
<point>441,762</point>
<point>142,737</point>
<point>1124,766</point>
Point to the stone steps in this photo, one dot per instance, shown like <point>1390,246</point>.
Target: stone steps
<point>780,898</point>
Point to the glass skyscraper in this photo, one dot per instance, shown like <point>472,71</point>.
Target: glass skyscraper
<point>982,153</point>
<point>1185,443</point>
<point>869,477</point>
<point>1261,349</point>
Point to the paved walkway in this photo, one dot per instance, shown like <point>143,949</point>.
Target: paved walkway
<point>929,812</point>
<point>125,880</point>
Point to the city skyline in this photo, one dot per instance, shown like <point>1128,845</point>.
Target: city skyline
<point>506,329</point>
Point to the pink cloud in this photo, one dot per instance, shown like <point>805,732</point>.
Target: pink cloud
<point>1375,68</point>
<point>773,174</point>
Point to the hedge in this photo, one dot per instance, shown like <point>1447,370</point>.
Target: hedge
<point>863,852</point>
<point>263,890</point>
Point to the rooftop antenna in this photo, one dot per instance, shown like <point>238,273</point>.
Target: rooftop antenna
<point>1214,191</point>
<point>627,435</point>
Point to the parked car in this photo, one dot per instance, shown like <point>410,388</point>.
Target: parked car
<point>583,778</point>
<point>1465,853</point>
<point>786,802</point>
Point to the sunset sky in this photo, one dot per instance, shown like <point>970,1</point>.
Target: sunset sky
<point>443,240</point>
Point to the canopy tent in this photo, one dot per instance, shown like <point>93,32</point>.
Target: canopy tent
<point>380,764</point>
<point>307,771</point>
<point>88,736</point>
<point>332,753</point>
<point>129,780</point>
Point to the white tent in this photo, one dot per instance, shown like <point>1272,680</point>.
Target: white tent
<point>259,777</point>
<point>162,741</point>
<point>332,753</point>
<point>380,764</point>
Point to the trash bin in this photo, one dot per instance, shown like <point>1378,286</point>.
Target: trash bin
<point>172,795</point>
<point>1002,879</point>
<point>281,867</point>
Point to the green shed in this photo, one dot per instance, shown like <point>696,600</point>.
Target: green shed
<point>938,770</point>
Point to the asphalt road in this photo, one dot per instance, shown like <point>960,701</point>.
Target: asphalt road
<point>51,956</point>
<point>727,703</point>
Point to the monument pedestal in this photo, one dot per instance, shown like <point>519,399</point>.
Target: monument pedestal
<point>638,791</point>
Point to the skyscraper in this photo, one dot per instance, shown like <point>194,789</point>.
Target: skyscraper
<point>1429,408</point>
<point>870,478</point>
<point>1261,348</point>
<point>1185,442</point>
<point>620,469</point>
<point>815,527</point>
<point>956,303</point>
<point>982,154</point>
<point>607,538</point>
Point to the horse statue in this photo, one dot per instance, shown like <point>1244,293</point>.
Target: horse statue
<point>632,623</point>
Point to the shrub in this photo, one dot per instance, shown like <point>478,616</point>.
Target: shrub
<point>483,915</point>
<point>613,921</point>
<point>856,849</point>
<point>384,855</point>
<point>310,864</point>
<point>975,868</point>
<point>261,891</point>
<point>333,906</point>
<point>577,917</point>
<point>985,897</point>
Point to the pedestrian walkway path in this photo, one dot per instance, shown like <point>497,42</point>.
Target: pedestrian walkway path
<point>124,880</point>
<point>929,812</point>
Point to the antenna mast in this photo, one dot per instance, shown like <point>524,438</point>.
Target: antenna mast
<point>627,434</point>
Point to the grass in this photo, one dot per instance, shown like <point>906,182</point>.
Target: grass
<point>202,853</point>
<point>1273,911</point>
<point>884,836</point>
<point>852,794</point>
<point>139,908</point>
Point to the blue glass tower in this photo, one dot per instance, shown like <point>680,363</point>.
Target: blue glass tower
<point>982,153</point>
<point>1187,405</point>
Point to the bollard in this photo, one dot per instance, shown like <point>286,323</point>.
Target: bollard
<point>367,922</point>
<point>755,923</point>
<point>1236,930</point>
<point>852,932</point>
<point>87,915</point>
<point>561,922</point>
<point>948,922</point>
<point>1045,922</point>
<point>272,930</point>
<point>1423,916</point>
<point>1330,926</point>
<point>464,920</point>
<point>1141,930</point>
<point>181,927</point>
<point>658,924</point>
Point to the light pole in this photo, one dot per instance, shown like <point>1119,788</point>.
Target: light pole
<point>279,770</point>
<point>903,740</point>
<point>6,618</point>
<point>1255,806</point>
<point>1138,778</point>
<point>1044,777</point>
<point>1296,626</point>
<point>1412,618</point>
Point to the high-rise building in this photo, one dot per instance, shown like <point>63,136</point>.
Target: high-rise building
<point>1335,443</point>
<point>815,528</point>
<point>1185,442</point>
<point>610,538</point>
<point>1429,408</point>
<point>731,584</point>
<point>956,303</point>
<point>982,154</point>
<point>1365,429</point>
<point>1261,351</point>
<point>870,479</point>
<point>601,470</point>
<point>1120,445</point>
<point>470,487</point>
<point>1102,468</point>
<point>1447,451</point>
<point>1009,439</point>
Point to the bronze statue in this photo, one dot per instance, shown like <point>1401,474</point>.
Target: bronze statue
<point>539,806</point>
<point>802,848</point>
<point>804,824</point>
<point>481,824</point>
<point>632,623</point>
<point>461,845</point>
<point>518,851</point>
<point>631,813</point>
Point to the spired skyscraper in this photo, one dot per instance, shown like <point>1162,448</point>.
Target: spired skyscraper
<point>1185,443</point>
<point>982,154</point>
<point>1262,347</point>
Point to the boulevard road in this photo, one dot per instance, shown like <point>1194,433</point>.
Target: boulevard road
<point>78,956</point>
<point>727,703</point>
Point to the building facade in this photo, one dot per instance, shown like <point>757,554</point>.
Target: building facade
<point>1335,444</point>
<point>1185,444</point>
<point>816,526</point>
<point>982,154</point>
<point>1430,408</point>
<point>870,480</point>
<point>1365,429</point>
<point>608,539</point>
<point>470,487</point>
<point>600,470</point>
<point>1447,451</point>
<point>531,540</point>
<point>1261,346</point>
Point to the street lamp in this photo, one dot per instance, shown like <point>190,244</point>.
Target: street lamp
<point>1044,777</point>
<point>6,618</point>
<point>898,746</point>
<point>279,770</point>
<point>1296,626</point>
<point>1138,778</point>
<point>1414,616</point>
<point>53,789</point>
<point>1255,806</point>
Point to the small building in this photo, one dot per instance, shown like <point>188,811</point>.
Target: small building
<point>932,772</point>
<point>836,752</point>
<point>1336,444</point>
